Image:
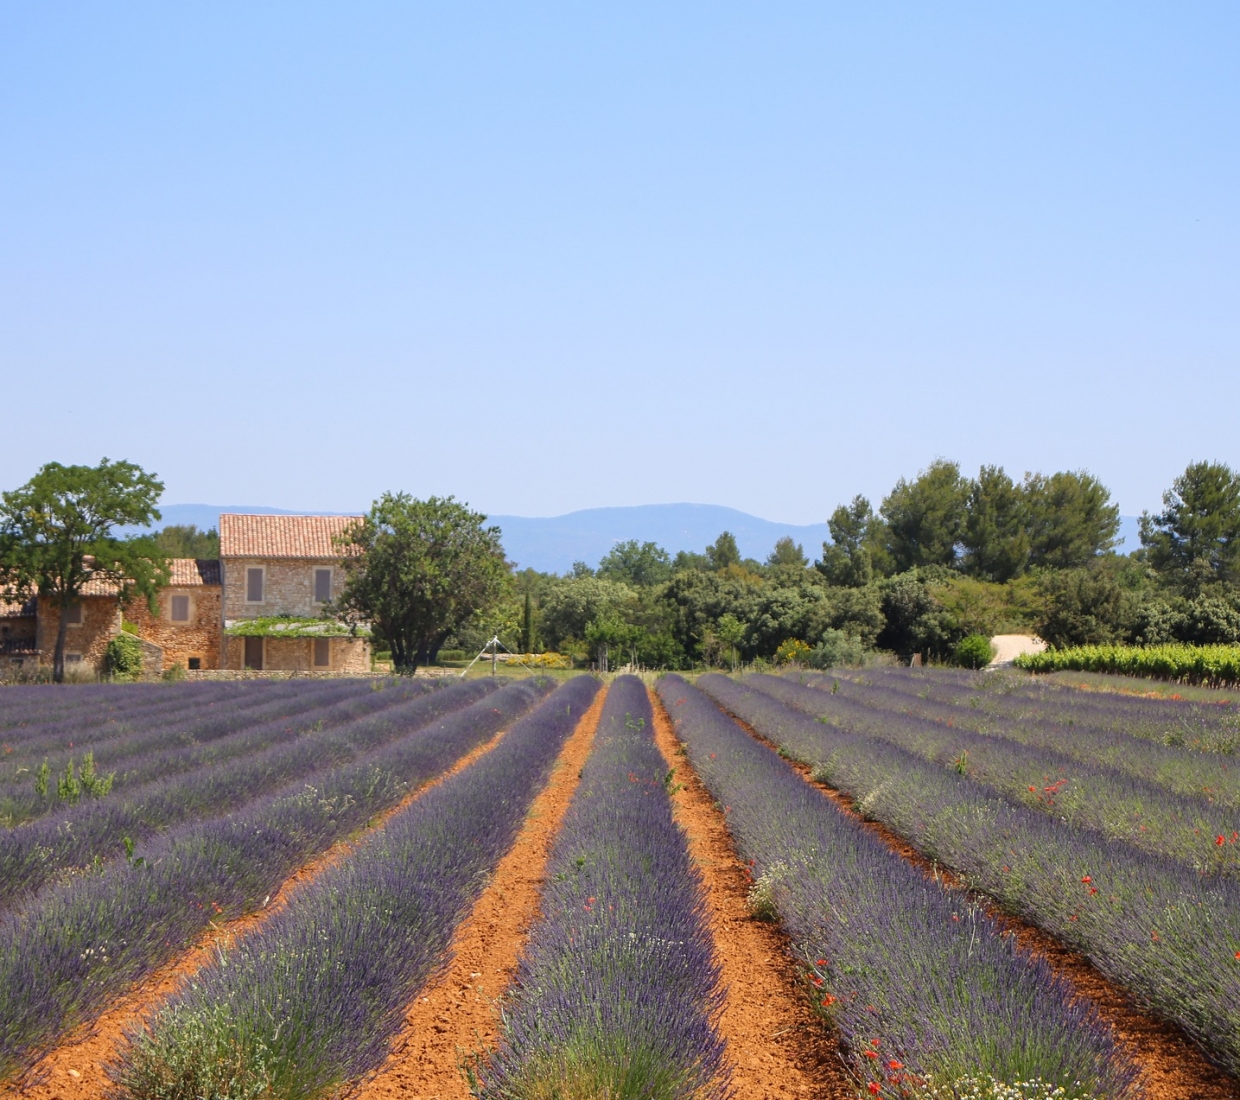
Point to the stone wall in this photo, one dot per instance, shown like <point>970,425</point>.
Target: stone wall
<point>288,587</point>
<point>200,637</point>
<point>101,621</point>
<point>349,656</point>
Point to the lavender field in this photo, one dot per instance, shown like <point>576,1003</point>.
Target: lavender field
<point>138,820</point>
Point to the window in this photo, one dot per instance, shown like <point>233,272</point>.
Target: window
<point>73,658</point>
<point>322,585</point>
<point>178,608</point>
<point>254,585</point>
<point>73,615</point>
<point>322,653</point>
<point>195,663</point>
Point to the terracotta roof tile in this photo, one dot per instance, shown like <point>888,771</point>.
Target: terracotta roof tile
<point>194,571</point>
<point>281,536</point>
<point>11,608</point>
<point>100,587</point>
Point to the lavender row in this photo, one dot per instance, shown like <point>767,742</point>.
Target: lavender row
<point>91,938</point>
<point>100,829</point>
<point>312,1000</point>
<point>1212,728</point>
<point>133,751</point>
<point>921,985</point>
<point>1168,934</point>
<point>1179,769</point>
<point>1190,828</point>
<point>618,986</point>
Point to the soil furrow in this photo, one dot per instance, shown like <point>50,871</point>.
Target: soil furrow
<point>777,1047</point>
<point>456,1015</point>
<point>1170,1064</point>
<point>75,1069</point>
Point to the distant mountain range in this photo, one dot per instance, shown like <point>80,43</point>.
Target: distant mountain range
<point>551,544</point>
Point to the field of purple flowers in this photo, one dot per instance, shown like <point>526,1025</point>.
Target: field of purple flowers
<point>134,818</point>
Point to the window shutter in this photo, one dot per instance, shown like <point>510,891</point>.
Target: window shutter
<point>180,609</point>
<point>254,586</point>
<point>322,585</point>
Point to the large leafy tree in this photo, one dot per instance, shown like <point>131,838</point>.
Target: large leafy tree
<point>418,569</point>
<point>996,536</point>
<point>1195,539</point>
<point>58,532</point>
<point>637,563</point>
<point>848,559</point>
<point>926,517</point>
<point>1071,519</point>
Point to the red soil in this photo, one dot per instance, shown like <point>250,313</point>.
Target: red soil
<point>1170,1065</point>
<point>778,1048</point>
<point>75,1069</point>
<point>456,1014</point>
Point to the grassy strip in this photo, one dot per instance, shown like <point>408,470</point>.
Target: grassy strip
<point>1212,665</point>
<point>1167,934</point>
<point>98,829</point>
<point>311,1001</point>
<point>923,988</point>
<point>1090,795</point>
<point>64,960</point>
<point>615,993</point>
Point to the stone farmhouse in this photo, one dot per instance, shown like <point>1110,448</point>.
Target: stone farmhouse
<point>261,606</point>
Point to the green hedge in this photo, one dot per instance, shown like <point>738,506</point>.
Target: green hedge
<point>1212,665</point>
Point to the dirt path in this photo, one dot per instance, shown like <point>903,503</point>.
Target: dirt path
<point>1010,646</point>
<point>778,1048</point>
<point>75,1069</point>
<point>1170,1065</point>
<point>456,1015</point>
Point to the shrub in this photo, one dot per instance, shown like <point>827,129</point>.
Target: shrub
<point>836,649</point>
<point>791,651</point>
<point>974,651</point>
<point>123,658</point>
<point>174,675</point>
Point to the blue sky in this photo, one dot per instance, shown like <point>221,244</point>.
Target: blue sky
<point>553,256</point>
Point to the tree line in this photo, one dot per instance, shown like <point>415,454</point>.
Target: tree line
<point>944,556</point>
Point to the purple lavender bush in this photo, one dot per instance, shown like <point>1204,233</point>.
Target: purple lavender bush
<point>921,985</point>
<point>97,829</point>
<point>89,939</point>
<point>615,993</point>
<point>1091,795</point>
<point>311,1001</point>
<point>1166,933</point>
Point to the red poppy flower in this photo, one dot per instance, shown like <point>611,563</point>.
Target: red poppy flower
<point>1086,878</point>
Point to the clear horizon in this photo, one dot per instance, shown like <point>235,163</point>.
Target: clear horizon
<point>554,259</point>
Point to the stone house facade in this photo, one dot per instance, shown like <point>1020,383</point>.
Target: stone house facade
<point>186,626</point>
<point>19,626</point>
<point>279,574</point>
<point>261,606</point>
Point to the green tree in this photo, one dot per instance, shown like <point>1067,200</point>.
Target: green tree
<point>1087,606</point>
<point>723,552</point>
<point>925,518</point>
<point>179,540</point>
<point>1071,519</point>
<point>419,569</point>
<point>1195,540</point>
<point>995,536</point>
<point>57,532</point>
<point>848,559</point>
<point>787,553</point>
<point>731,632</point>
<point>915,621</point>
<point>527,625</point>
<point>576,602</point>
<point>638,564</point>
